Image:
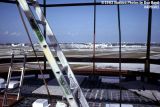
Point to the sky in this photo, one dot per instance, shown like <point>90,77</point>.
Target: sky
<point>75,24</point>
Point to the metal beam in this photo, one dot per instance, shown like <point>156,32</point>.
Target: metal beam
<point>94,37</point>
<point>87,59</point>
<point>147,64</point>
<point>44,30</point>
<point>70,4</point>
<point>120,54</point>
<point>99,72</point>
<point>84,4</point>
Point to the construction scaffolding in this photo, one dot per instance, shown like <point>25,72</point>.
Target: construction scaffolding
<point>93,73</point>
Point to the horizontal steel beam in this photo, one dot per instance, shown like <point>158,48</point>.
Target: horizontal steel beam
<point>88,59</point>
<point>99,72</point>
<point>71,4</point>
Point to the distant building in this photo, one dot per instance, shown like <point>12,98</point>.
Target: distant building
<point>17,44</point>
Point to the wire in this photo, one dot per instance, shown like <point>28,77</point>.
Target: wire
<point>29,37</point>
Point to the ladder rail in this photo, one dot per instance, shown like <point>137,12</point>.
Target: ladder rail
<point>22,77</point>
<point>57,72</point>
<point>60,54</point>
<point>10,71</point>
<point>5,96</point>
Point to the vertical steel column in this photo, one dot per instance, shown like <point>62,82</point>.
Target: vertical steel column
<point>147,64</point>
<point>44,10</point>
<point>94,38</point>
<point>120,55</point>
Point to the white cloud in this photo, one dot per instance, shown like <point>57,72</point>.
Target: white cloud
<point>15,34</point>
<point>72,33</point>
<point>7,33</point>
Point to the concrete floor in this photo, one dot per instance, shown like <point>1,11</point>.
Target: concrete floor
<point>98,94</point>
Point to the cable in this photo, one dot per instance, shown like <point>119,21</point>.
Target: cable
<point>29,37</point>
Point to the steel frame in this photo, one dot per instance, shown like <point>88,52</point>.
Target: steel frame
<point>147,61</point>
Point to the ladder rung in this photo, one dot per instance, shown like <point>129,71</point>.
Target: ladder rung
<point>32,1</point>
<point>9,93</point>
<point>65,69</point>
<point>41,22</point>
<point>16,69</point>
<point>18,59</point>
<point>6,105</point>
